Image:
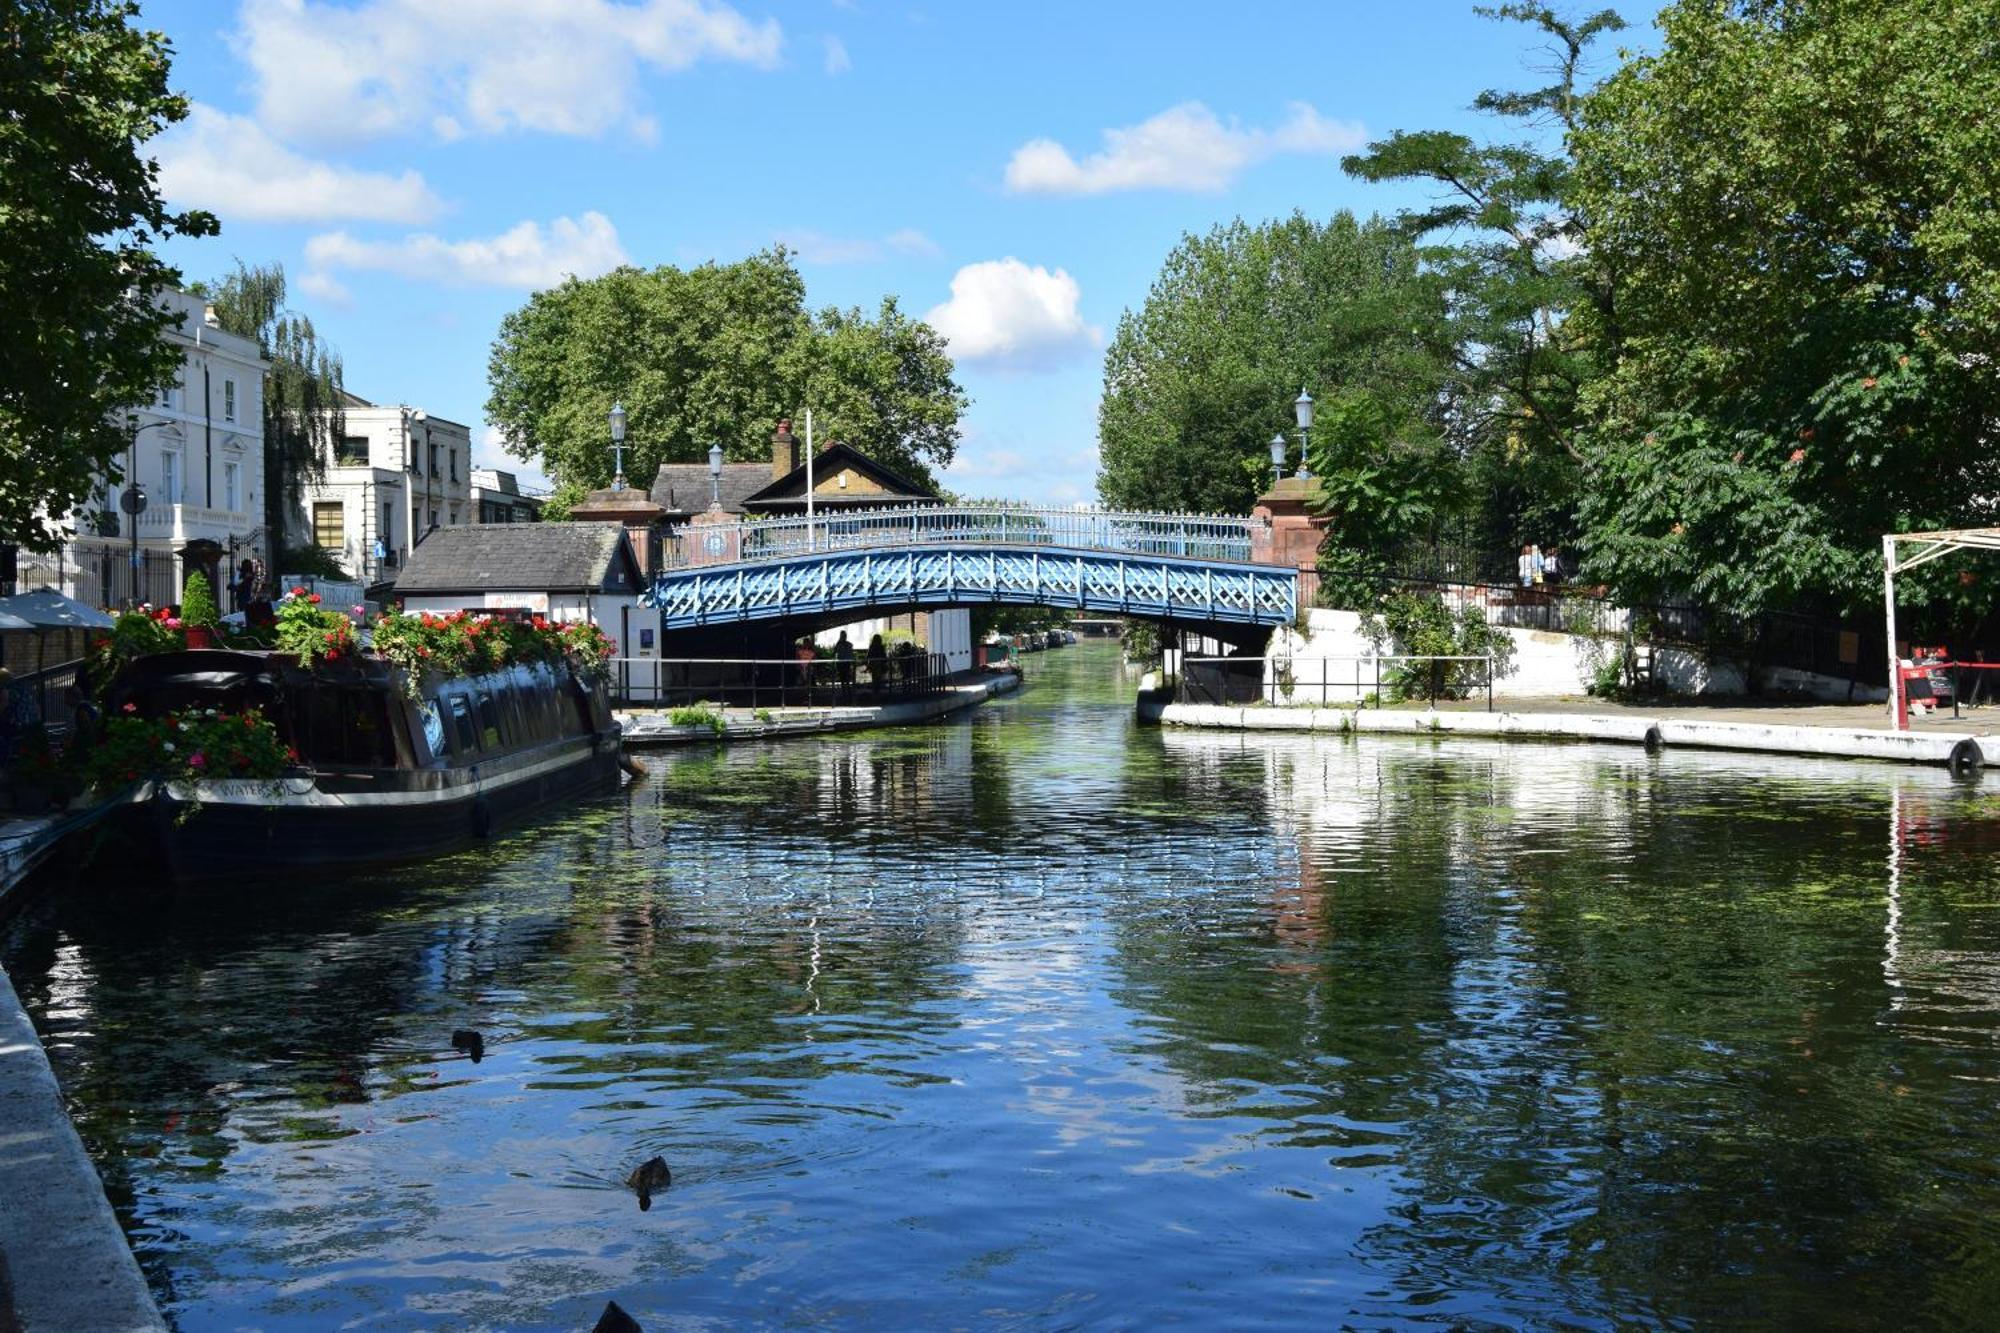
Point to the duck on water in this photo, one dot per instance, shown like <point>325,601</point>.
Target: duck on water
<point>380,773</point>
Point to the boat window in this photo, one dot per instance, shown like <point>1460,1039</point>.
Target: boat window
<point>464,736</point>
<point>489,721</point>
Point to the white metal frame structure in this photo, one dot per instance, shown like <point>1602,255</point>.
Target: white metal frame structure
<point>1933,546</point>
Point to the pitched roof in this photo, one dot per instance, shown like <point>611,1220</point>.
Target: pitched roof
<point>521,557</point>
<point>791,488</point>
<point>683,488</point>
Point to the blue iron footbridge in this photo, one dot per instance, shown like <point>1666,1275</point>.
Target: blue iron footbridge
<point>1188,568</point>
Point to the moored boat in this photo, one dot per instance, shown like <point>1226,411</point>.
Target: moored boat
<point>377,772</point>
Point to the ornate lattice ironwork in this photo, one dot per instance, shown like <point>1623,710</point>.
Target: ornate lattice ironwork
<point>1106,582</point>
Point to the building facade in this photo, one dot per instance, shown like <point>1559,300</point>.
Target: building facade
<point>197,458</point>
<point>497,498</point>
<point>393,474</point>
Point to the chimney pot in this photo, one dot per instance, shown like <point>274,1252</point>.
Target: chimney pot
<point>784,450</point>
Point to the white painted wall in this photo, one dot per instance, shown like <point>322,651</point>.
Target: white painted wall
<point>1323,666</point>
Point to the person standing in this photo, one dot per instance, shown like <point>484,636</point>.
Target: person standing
<point>1552,567</point>
<point>1524,568</point>
<point>1535,565</point>
<point>843,654</point>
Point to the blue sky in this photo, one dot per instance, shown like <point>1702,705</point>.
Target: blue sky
<point>1019,169</point>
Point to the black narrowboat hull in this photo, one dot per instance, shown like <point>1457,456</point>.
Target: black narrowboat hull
<point>214,832</point>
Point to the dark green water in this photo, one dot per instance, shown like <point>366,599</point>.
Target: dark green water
<point>1039,1019</point>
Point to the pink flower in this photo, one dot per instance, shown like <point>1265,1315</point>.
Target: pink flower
<point>360,610</point>
<point>1798,455</point>
<point>197,760</point>
<point>172,622</point>
<point>129,708</point>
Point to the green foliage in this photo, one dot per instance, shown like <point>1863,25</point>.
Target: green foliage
<point>698,715</point>
<point>135,633</point>
<point>183,746</point>
<point>1503,249</point>
<point>1384,479</point>
<point>310,633</point>
<point>198,603</point>
<point>1413,624</point>
<point>314,560</point>
<point>302,389</point>
<point>1791,205</point>
<point>713,354</point>
<point>1200,378</point>
<point>80,91</point>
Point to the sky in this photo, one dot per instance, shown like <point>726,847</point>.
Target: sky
<point>1016,173</point>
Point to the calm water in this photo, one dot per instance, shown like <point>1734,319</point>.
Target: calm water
<point>1042,1020</point>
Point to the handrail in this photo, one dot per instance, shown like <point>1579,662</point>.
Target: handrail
<point>1189,536</point>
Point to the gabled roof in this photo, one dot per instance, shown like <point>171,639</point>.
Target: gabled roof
<point>522,557</point>
<point>683,488</point>
<point>790,490</point>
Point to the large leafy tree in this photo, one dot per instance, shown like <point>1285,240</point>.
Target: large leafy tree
<point>1792,203</point>
<point>1502,241</point>
<point>715,354</point>
<point>1199,378</point>
<point>80,91</point>
<point>302,389</point>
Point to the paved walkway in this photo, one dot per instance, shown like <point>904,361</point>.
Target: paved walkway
<point>1859,717</point>
<point>654,726</point>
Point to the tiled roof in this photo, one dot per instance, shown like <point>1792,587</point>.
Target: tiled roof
<point>515,557</point>
<point>683,488</point>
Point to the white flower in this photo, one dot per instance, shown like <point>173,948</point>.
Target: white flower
<point>168,747</point>
<point>184,726</point>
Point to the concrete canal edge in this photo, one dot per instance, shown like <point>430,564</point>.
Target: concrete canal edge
<point>650,727</point>
<point>64,1263</point>
<point>1955,750</point>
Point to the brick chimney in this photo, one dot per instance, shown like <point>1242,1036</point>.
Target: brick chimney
<point>784,451</point>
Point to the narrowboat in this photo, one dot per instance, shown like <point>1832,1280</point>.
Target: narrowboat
<point>377,776</point>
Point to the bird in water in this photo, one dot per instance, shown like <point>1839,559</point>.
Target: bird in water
<point>615,1320</point>
<point>474,1045</point>
<point>648,1178</point>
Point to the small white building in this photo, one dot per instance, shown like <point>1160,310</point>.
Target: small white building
<point>197,455</point>
<point>394,473</point>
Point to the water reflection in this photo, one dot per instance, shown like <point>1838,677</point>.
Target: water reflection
<point>1041,1018</point>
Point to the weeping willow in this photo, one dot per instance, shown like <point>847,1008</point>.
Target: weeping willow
<point>302,389</point>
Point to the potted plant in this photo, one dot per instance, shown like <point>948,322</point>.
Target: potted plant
<point>199,616</point>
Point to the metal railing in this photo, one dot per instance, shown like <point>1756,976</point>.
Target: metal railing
<point>1191,536</point>
<point>1242,680</point>
<point>775,682</point>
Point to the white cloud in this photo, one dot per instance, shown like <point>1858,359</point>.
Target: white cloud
<point>816,247</point>
<point>836,56</point>
<point>1183,148</point>
<point>325,287</point>
<point>325,71</point>
<point>525,255</point>
<point>1004,312</point>
<point>231,166</point>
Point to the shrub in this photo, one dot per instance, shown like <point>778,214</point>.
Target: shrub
<point>198,603</point>
<point>698,715</point>
<point>1417,624</point>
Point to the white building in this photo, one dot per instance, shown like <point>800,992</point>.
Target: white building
<point>497,498</point>
<point>197,455</point>
<point>394,473</point>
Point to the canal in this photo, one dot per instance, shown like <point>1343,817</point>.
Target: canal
<point>1042,1019</point>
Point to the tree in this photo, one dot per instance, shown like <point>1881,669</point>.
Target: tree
<point>1503,245</point>
<point>713,355</point>
<point>1385,480</point>
<point>302,389</point>
<point>1791,204</point>
<point>1198,379</point>
<point>80,90</point>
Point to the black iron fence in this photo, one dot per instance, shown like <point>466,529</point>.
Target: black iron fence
<point>1333,681</point>
<point>748,682</point>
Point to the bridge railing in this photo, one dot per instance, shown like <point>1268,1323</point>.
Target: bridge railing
<point>1187,536</point>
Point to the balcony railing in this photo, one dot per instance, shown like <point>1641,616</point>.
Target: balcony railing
<point>186,522</point>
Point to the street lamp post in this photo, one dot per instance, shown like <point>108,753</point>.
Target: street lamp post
<point>617,417</point>
<point>1278,457</point>
<point>133,500</point>
<point>1303,406</point>
<point>715,477</point>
